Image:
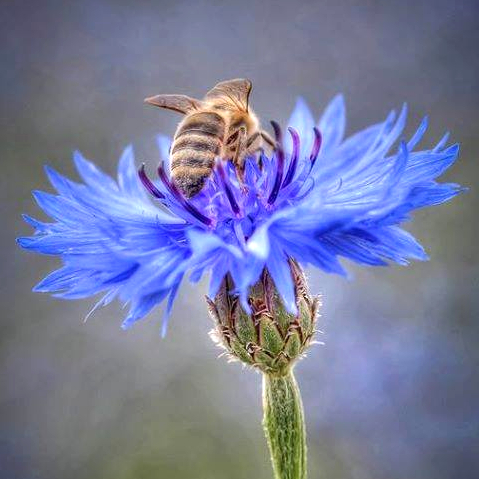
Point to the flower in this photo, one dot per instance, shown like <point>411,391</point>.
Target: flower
<point>315,199</point>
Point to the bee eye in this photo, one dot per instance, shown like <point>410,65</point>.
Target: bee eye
<point>232,138</point>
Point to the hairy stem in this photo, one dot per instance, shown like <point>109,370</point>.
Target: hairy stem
<point>284,427</point>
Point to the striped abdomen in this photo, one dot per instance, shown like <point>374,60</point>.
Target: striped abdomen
<point>198,141</point>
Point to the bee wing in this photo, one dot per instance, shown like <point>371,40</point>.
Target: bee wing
<point>179,103</point>
<point>232,92</point>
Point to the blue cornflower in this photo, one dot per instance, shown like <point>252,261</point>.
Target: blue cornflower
<point>315,199</point>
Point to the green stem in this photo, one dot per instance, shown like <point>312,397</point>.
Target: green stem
<point>284,427</point>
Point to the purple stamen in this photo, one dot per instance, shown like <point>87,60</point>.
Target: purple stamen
<point>229,193</point>
<point>261,159</point>
<point>279,174</point>
<point>316,146</point>
<point>148,184</point>
<point>277,132</point>
<point>172,188</point>
<point>294,158</point>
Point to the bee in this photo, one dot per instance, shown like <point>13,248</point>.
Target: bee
<point>220,125</point>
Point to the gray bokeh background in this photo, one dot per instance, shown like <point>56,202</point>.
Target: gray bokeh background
<point>394,392</point>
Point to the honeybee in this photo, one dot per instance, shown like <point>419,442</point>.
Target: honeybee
<point>221,125</point>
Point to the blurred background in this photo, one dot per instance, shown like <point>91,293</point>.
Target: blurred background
<point>394,392</point>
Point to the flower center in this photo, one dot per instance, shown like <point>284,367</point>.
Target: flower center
<point>230,196</point>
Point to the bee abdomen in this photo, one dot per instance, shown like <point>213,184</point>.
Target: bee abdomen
<point>189,180</point>
<point>197,142</point>
<point>205,123</point>
<point>193,153</point>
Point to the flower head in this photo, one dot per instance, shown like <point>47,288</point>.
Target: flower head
<point>268,338</point>
<point>315,199</point>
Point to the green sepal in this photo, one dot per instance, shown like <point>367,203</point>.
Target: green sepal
<point>238,350</point>
<point>266,336</point>
<point>293,345</point>
<point>244,327</point>
<point>270,338</point>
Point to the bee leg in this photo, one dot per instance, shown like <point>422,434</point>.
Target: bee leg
<point>241,144</point>
<point>238,158</point>
<point>252,139</point>
<point>267,139</point>
<point>252,146</point>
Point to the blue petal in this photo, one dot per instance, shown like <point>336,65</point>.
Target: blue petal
<point>61,279</point>
<point>416,138</point>
<point>259,244</point>
<point>169,307</point>
<point>280,271</point>
<point>431,166</point>
<point>142,306</point>
<point>218,272</point>
<point>104,301</point>
<point>92,175</point>
<point>204,243</point>
<point>332,124</point>
<point>128,175</point>
<point>60,208</point>
<point>442,142</point>
<point>302,121</point>
<point>60,183</point>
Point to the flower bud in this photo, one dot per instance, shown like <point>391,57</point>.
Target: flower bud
<point>269,337</point>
